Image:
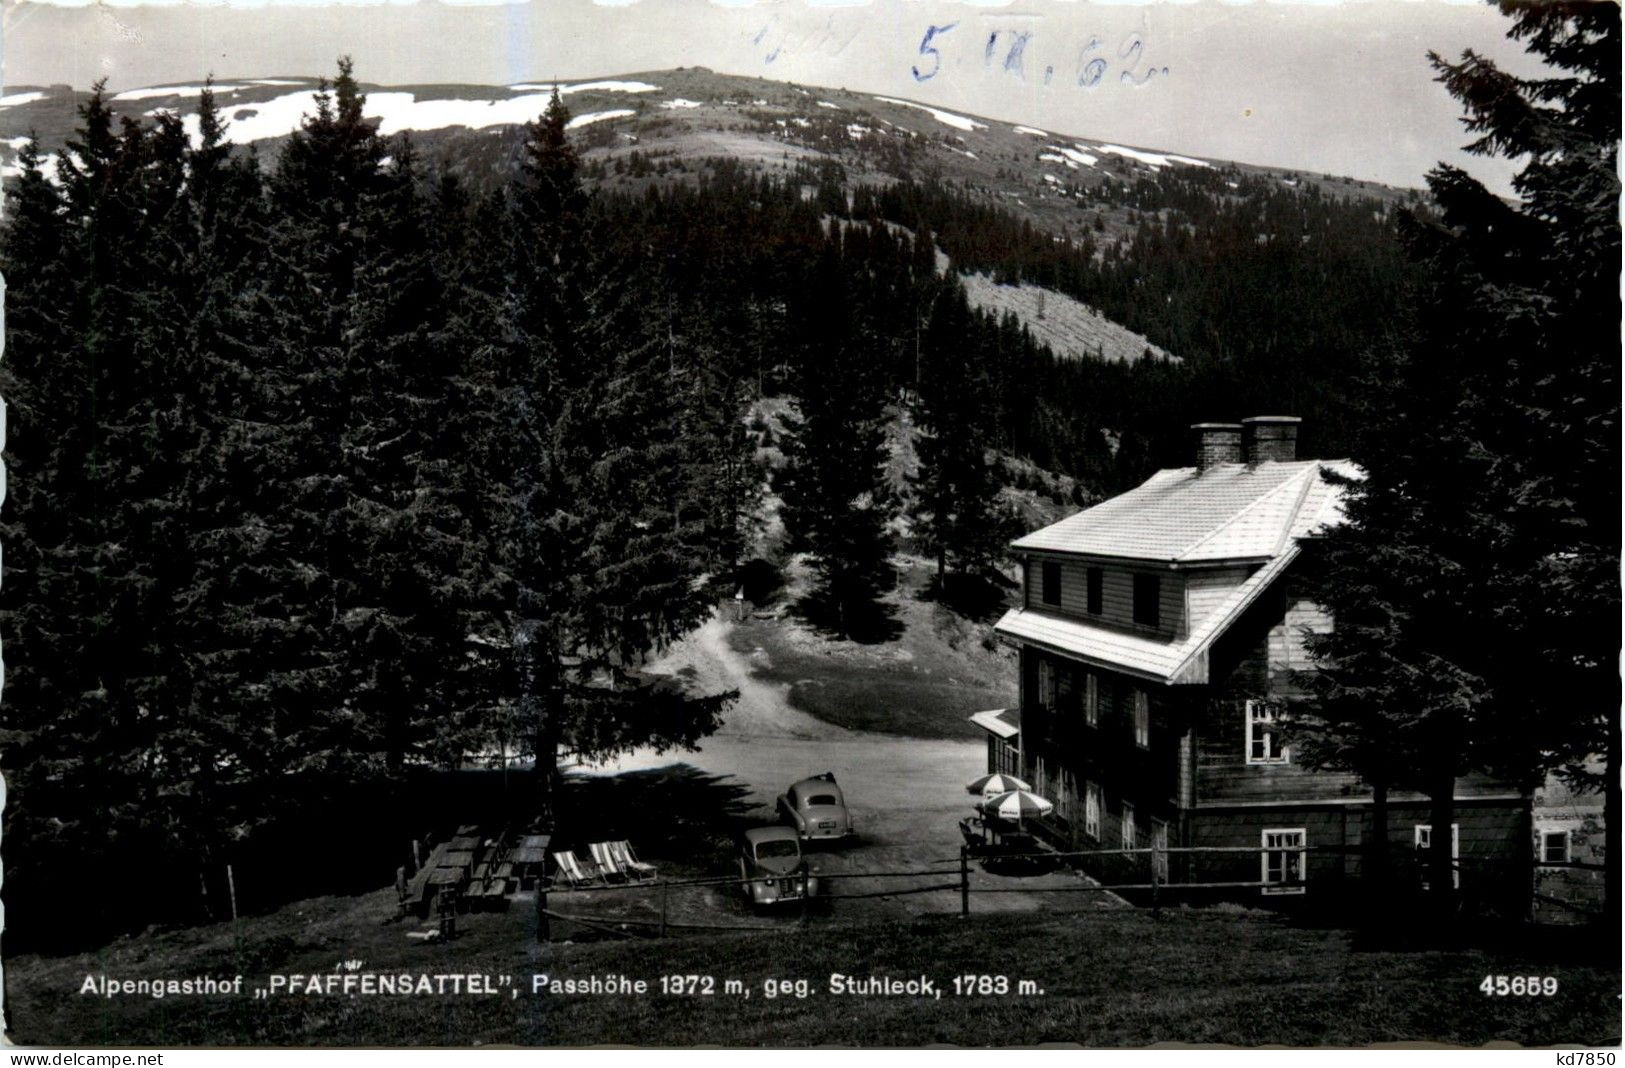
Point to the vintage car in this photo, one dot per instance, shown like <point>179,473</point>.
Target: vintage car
<point>816,808</point>
<point>771,868</point>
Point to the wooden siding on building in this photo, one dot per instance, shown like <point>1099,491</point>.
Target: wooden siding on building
<point>1207,589</point>
<point>1116,595</point>
<point>1261,657</point>
<point>1106,754</point>
<point>1493,837</point>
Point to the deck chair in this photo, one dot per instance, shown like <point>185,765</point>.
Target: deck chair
<point>605,859</point>
<point>571,872</point>
<point>629,862</point>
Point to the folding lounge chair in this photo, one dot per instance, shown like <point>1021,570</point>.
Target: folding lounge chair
<point>570,870</point>
<point>605,859</point>
<point>622,851</point>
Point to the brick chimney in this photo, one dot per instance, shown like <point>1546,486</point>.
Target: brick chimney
<point>1269,437</point>
<point>1217,443</point>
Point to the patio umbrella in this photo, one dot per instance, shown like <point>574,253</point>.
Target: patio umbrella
<point>995,784</point>
<point>1017,805</point>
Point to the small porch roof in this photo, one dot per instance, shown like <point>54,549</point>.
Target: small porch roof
<point>999,722</point>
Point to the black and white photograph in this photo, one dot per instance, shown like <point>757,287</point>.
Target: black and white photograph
<point>773,524</point>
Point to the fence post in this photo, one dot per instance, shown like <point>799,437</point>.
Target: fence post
<point>231,885</point>
<point>1156,882</point>
<point>964,881</point>
<point>662,908</point>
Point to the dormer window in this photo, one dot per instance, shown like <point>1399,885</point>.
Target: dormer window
<point>1096,582</point>
<point>1052,583</point>
<point>1147,599</point>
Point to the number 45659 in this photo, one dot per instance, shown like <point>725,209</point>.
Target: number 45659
<point>1519,986</point>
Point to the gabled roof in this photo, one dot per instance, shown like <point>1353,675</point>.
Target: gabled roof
<point>1175,663</point>
<point>1182,516</point>
<point>1227,513</point>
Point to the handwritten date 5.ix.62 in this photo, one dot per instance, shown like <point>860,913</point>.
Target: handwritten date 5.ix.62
<point>1020,53</point>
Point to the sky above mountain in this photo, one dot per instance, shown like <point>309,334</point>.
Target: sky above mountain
<point>1340,88</point>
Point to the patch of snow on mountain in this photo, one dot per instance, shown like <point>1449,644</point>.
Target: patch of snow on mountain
<point>827,104</point>
<point>1052,179</point>
<point>1152,159</point>
<point>958,122</point>
<point>16,143</point>
<point>395,112</point>
<point>799,121</point>
<point>1032,130</point>
<point>47,167</point>
<point>275,81</point>
<point>856,130</point>
<point>1074,157</point>
<point>20,98</point>
<point>679,102</point>
<point>587,87</point>
<point>171,90</point>
<point>597,116</point>
<point>1056,157</point>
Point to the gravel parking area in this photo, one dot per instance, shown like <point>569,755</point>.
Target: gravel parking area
<point>906,795</point>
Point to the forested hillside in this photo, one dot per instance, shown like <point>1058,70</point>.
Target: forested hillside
<point>331,462</point>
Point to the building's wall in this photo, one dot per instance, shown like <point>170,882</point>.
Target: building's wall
<point>1263,656</point>
<point>1568,895</point>
<point>1116,595</point>
<point>1492,836</point>
<point>1061,753</point>
<point>1207,589</point>
<point>1255,659</point>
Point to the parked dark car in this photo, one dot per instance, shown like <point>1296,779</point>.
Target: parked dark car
<point>816,808</point>
<point>771,867</point>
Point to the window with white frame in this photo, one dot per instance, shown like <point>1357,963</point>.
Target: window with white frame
<point>1091,699</point>
<point>1128,826</point>
<point>1093,801</point>
<point>1142,719</point>
<point>1046,684</point>
<point>1263,738</point>
<point>1424,843</point>
<point>1282,860</point>
<point>1555,847</point>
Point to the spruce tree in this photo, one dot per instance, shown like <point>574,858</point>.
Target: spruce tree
<point>837,502</point>
<point>956,508</point>
<point>1475,584</point>
<point>594,542</point>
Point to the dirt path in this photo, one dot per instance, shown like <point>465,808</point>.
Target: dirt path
<point>763,710</point>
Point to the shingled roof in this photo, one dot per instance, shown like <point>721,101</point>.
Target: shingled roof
<point>1228,512</point>
<point>1185,515</point>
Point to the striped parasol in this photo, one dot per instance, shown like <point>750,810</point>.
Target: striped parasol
<point>1017,805</point>
<point>995,784</point>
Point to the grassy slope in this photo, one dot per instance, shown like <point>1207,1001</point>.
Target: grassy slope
<point>940,669</point>
<point>1110,979</point>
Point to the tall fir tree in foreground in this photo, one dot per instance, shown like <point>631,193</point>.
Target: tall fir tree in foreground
<point>1477,581</point>
<point>594,538</point>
